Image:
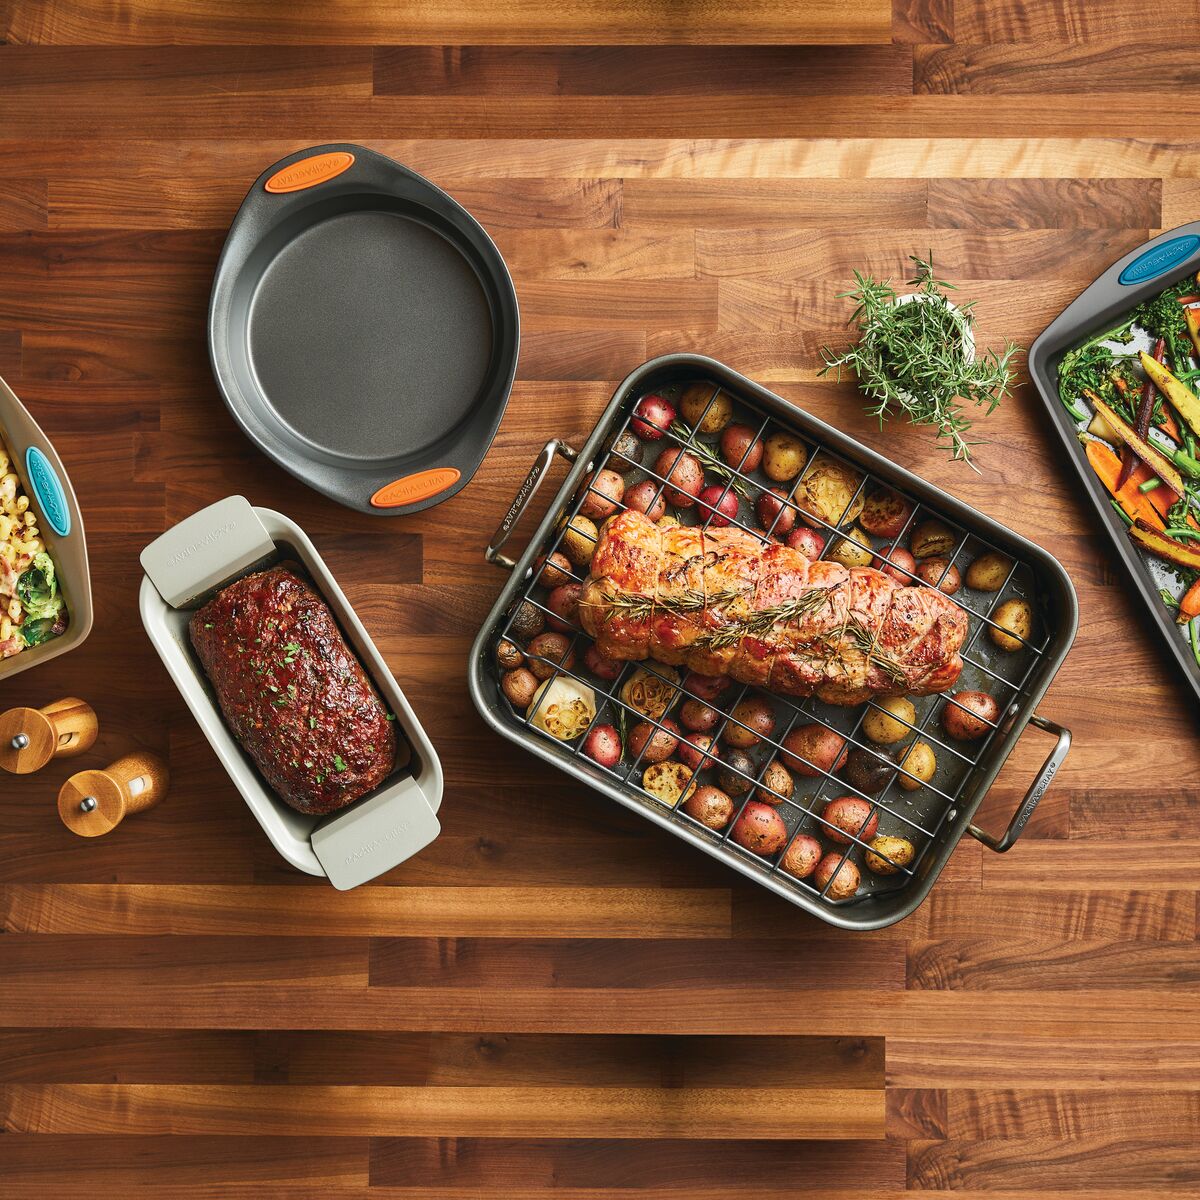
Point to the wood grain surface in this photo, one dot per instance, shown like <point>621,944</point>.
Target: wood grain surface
<point>556,997</point>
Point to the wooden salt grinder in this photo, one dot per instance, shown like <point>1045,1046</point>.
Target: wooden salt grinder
<point>92,803</point>
<point>31,737</point>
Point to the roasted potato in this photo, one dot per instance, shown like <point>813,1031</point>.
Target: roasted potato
<point>654,743</point>
<point>702,416</point>
<point>852,550</point>
<point>741,448</point>
<point>508,656</point>
<point>868,771</point>
<point>888,854</point>
<point>707,687</point>
<point>684,476</point>
<point>918,760</point>
<point>555,647</point>
<point>757,721</point>
<point>828,492</point>
<point>603,745</point>
<point>717,505</point>
<point>932,539</point>
<point>694,751</point>
<point>988,572</point>
<point>807,541</point>
<point>601,666</point>
<point>774,512</point>
<point>669,782</point>
<point>625,445</point>
<point>940,573</point>
<point>759,829</point>
<point>646,497</point>
<point>698,716</point>
<point>652,417</point>
<point>1015,621</point>
<point>897,563</point>
<point>970,721</point>
<point>651,693</point>
<point>527,622</point>
<point>801,857</point>
<point>837,882</point>
<point>710,806</point>
<point>563,602</point>
<point>885,513</point>
<point>579,540</point>
<point>518,686</point>
<point>553,571</point>
<point>812,750</point>
<point>736,772</point>
<point>850,817</point>
<point>605,491</point>
<point>784,456</point>
<point>775,785</point>
<point>885,720</point>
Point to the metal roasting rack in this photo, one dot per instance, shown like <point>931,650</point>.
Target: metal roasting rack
<point>924,813</point>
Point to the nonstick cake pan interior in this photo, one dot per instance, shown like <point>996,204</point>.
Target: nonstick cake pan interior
<point>363,329</point>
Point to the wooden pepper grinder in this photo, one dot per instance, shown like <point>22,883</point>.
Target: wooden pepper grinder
<point>31,737</point>
<point>92,803</point>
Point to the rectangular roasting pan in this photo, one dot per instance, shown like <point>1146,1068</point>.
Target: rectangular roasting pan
<point>943,811</point>
<point>1140,274</point>
<point>184,567</point>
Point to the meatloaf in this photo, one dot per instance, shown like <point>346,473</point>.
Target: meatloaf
<point>292,691</point>
<point>722,602</point>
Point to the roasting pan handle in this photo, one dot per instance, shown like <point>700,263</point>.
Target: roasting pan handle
<point>1037,790</point>
<point>524,495</point>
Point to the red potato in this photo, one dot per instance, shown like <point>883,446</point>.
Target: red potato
<point>809,542</point>
<point>801,857</point>
<point>651,744</point>
<point>694,750</point>
<point>603,745</point>
<point>644,497</point>
<point>605,491</point>
<point>760,829</point>
<point>601,665</point>
<point>736,772</point>
<point>706,687</point>
<point>980,709</point>
<point>850,817</point>
<point>717,505</point>
<point>710,806</point>
<point>741,449</point>
<point>563,602</point>
<point>698,716</point>
<point>938,573</point>
<point>841,881</point>
<point>684,475</point>
<point>895,561</point>
<point>751,721</point>
<point>775,513</point>
<point>554,571</point>
<point>653,417</point>
<point>813,750</point>
<point>885,514</point>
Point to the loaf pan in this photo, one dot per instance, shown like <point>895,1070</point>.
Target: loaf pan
<point>184,568</point>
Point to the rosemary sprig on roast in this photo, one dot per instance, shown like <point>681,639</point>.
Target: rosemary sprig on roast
<point>760,623</point>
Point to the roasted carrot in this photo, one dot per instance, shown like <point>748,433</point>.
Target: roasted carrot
<point>1189,606</point>
<point>1150,506</point>
<point>1154,458</point>
<point>1144,409</point>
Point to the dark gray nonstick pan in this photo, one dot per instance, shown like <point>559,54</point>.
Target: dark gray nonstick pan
<point>363,329</point>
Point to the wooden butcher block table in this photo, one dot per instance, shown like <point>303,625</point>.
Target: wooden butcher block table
<point>556,997</point>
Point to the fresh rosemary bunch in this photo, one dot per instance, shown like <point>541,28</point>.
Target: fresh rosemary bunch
<point>910,361</point>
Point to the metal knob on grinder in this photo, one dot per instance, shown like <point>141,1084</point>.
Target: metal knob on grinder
<point>32,737</point>
<point>92,803</point>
